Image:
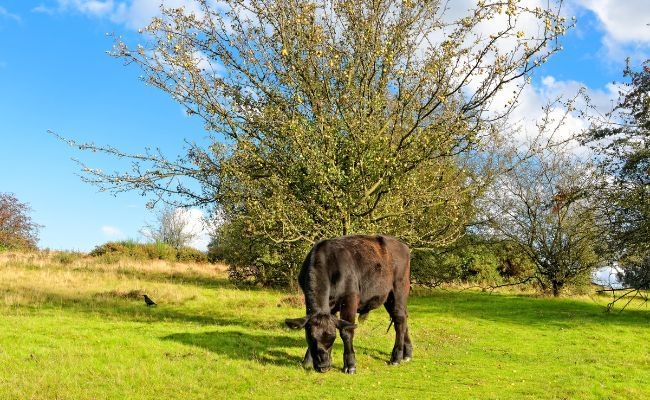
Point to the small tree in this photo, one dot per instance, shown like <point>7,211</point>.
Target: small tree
<point>172,227</point>
<point>543,206</point>
<point>17,230</point>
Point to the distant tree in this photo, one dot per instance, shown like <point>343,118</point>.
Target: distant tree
<point>333,117</point>
<point>17,230</point>
<point>544,208</point>
<point>172,227</point>
<point>623,141</point>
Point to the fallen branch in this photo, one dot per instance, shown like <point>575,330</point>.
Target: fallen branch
<point>634,292</point>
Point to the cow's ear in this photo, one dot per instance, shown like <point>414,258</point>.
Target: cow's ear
<point>343,325</point>
<point>296,323</point>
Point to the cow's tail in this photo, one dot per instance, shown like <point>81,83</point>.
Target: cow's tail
<point>389,325</point>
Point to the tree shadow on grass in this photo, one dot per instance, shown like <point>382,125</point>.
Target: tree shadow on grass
<point>264,348</point>
<point>132,309</point>
<point>522,309</point>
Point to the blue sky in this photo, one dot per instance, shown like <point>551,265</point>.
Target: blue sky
<point>55,75</point>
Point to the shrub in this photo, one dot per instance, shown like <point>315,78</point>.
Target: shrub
<point>428,268</point>
<point>436,267</point>
<point>190,254</point>
<point>469,260</point>
<point>112,251</point>
<point>66,257</point>
<point>254,261</point>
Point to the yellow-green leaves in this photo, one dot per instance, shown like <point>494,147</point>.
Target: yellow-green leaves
<point>340,116</point>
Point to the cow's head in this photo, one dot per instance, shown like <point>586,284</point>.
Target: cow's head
<point>320,330</point>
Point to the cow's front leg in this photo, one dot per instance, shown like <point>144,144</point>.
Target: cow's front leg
<point>346,328</point>
<point>349,362</point>
<point>307,361</point>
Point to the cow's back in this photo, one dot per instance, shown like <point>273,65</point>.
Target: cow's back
<point>369,267</point>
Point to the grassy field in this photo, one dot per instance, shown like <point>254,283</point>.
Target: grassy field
<point>77,328</point>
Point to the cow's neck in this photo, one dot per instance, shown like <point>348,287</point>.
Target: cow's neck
<point>317,292</point>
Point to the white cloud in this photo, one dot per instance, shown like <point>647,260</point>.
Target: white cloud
<point>112,232</point>
<point>197,226</point>
<point>607,276</point>
<point>4,13</point>
<point>135,14</point>
<point>623,22</point>
<point>43,9</point>
<point>95,8</point>
<point>561,126</point>
<point>625,27</point>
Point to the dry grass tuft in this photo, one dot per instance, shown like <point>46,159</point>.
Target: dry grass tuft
<point>135,294</point>
<point>37,278</point>
<point>292,301</point>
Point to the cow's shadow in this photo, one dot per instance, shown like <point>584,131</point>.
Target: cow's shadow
<point>264,348</point>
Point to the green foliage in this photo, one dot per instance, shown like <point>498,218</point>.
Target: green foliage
<point>113,251</point>
<point>67,257</point>
<point>253,260</point>
<point>624,147</point>
<point>191,254</point>
<point>514,264</point>
<point>335,117</point>
<point>470,260</point>
<point>636,271</point>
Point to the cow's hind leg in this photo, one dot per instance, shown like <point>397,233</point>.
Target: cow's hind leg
<point>402,350</point>
<point>408,347</point>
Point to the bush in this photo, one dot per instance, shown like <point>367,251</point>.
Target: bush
<point>429,269</point>
<point>112,251</point>
<point>190,254</point>
<point>513,263</point>
<point>67,257</point>
<point>469,260</point>
<point>255,261</point>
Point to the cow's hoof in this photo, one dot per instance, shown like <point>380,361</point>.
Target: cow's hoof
<point>350,370</point>
<point>406,359</point>
<point>394,363</point>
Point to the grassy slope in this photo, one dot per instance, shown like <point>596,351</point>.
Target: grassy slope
<point>78,330</point>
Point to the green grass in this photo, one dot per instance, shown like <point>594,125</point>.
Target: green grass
<point>79,330</point>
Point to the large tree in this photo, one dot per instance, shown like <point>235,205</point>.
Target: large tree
<point>332,117</point>
<point>623,141</point>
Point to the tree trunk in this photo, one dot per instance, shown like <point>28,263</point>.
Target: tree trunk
<point>557,288</point>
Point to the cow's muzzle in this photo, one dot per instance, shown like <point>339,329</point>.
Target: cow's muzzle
<point>322,368</point>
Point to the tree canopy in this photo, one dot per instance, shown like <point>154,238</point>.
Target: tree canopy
<point>545,208</point>
<point>331,117</point>
<point>623,142</point>
<point>17,229</point>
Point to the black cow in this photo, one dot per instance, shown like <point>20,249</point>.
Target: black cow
<point>350,275</point>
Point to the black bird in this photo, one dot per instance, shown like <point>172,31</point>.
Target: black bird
<point>148,301</point>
